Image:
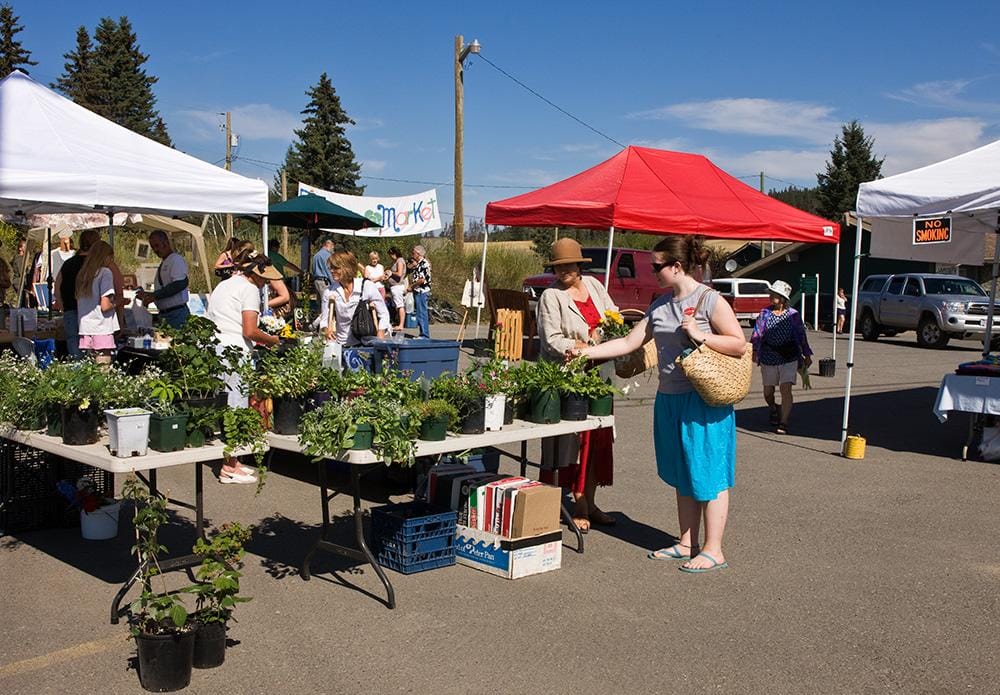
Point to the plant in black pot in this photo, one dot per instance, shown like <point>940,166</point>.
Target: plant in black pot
<point>436,417</point>
<point>217,592</point>
<point>287,378</point>
<point>243,428</point>
<point>468,394</point>
<point>193,361</point>
<point>203,424</point>
<point>158,619</point>
<point>81,402</point>
<point>585,392</point>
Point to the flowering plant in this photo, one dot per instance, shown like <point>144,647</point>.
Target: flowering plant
<point>288,332</point>
<point>83,495</point>
<point>272,325</point>
<point>613,326</point>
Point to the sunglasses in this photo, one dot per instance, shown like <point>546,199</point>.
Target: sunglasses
<point>657,267</point>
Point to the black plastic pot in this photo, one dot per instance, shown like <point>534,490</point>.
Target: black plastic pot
<point>574,406</point>
<point>508,412</point>
<point>53,421</point>
<point>828,367</point>
<point>79,426</point>
<point>219,400</point>
<point>316,400</point>
<point>287,414</point>
<point>165,661</point>
<point>209,645</point>
<point>544,407</point>
<point>474,421</point>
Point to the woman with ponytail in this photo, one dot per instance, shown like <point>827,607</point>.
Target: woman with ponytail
<point>95,301</point>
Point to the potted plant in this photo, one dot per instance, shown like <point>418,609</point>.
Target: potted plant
<point>193,361</point>
<point>203,424</point>
<point>49,395</point>
<point>81,405</point>
<point>242,428</point>
<point>217,592</point>
<point>168,423</point>
<point>468,395</point>
<point>436,417</point>
<point>495,377</point>
<point>543,382</point>
<point>287,378</point>
<point>128,431</point>
<point>360,422</point>
<point>22,393</point>
<point>159,620</point>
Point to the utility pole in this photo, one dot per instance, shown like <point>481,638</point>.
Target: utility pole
<point>229,165</point>
<point>459,219</point>
<point>762,190</point>
<point>284,196</point>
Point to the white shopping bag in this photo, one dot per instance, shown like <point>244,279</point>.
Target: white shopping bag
<point>409,304</point>
<point>332,355</point>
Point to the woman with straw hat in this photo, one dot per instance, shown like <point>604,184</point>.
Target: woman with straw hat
<point>569,313</point>
<point>780,348</point>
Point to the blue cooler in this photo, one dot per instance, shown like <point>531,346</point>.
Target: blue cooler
<point>419,356</point>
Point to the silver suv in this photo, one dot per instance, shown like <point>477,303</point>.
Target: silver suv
<point>937,307</point>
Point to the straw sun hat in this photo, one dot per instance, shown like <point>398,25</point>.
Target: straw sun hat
<point>782,289</point>
<point>567,250</point>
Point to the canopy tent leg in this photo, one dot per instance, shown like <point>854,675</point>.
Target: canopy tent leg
<point>850,341</point>
<point>199,242</point>
<point>111,229</point>
<point>264,291</point>
<point>836,289</point>
<point>607,266</point>
<point>478,299</point>
<point>988,337</point>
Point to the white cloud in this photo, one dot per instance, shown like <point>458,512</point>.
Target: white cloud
<point>800,166</point>
<point>752,116</point>
<point>250,122</point>
<point>675,144</point>
<point>385,143</point>
<point>913,144</point>
<point>372,166</point>
<point>946,94</point>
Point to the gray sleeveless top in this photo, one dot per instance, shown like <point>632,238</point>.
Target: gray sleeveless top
<point>665,316</point>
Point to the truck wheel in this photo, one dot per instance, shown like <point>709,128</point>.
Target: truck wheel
<point>930,335</point>
<point>869,328</point>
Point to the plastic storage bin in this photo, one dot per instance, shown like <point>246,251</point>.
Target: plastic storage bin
<point>414,537</point>
<point>128,431</point>
<point>420,357</point>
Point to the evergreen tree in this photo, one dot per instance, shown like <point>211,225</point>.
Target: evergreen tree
<point>322,156</point>
<point>77,81</point>
<point>802,198</point>
<point>852,162</point>
<point>12,54</point>
<point>122,89</point>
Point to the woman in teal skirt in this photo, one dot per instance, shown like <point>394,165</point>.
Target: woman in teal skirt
<point>695,443</point>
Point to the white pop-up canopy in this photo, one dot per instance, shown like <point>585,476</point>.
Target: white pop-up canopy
<point>941,213</point>
<point>57,156</point>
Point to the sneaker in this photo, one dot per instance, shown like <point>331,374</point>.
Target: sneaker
<point>226,478</point>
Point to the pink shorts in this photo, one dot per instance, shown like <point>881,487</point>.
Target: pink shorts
<point>97,342</point>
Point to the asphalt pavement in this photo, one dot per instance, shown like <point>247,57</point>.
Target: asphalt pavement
<point>871,576</point>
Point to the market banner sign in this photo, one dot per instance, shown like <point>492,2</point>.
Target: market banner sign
<point>932,230</point>
<point>402,216</point>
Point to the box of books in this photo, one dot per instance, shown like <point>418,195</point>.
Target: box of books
<point>507,558</point>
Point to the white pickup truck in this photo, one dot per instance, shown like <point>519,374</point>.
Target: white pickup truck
<point>937,307</point>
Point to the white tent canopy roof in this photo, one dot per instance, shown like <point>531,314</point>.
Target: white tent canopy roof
<point>967,183</point>
<point>57,156</point>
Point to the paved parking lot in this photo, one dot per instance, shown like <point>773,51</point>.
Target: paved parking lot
<point>873,576</point>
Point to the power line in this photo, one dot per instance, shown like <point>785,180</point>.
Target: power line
<point>547,101</point>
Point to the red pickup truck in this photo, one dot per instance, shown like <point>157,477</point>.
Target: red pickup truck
<point>633,286</point>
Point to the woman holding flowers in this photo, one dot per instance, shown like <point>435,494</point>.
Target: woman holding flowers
<point>569,315</point>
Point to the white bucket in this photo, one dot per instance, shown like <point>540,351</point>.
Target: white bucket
<point>128,431</point>
<point>100,524</point>
<point>495,405</point>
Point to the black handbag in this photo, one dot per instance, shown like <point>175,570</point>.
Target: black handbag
<point>363,322</point>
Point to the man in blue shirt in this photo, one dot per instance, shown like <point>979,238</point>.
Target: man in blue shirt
<point>321,268</point>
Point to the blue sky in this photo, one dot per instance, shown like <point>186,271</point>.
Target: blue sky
<point>755,86</point>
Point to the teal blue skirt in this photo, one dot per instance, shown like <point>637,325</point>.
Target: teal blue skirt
<point>695,445</point>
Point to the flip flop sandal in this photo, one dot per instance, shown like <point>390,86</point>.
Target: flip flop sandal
<point>716,565</point>
<point>671,553</point>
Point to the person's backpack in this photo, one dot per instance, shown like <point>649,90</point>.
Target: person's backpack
<point>363,322</point>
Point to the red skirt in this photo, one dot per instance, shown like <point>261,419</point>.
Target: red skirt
<point>597,453</point>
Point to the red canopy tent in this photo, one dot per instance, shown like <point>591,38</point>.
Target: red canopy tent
<point>665,192</point>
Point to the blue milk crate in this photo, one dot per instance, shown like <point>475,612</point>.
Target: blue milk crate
<point>414,537</point>
<point>420,356</point>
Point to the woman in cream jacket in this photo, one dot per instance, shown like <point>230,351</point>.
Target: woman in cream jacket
<point>569,313</point>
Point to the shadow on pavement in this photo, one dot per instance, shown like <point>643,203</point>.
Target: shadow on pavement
<point>635,532</point>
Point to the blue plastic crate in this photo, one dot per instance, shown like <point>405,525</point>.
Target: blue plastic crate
<point>414,537</point>
<point>418,563</point>
<point>420,356</point>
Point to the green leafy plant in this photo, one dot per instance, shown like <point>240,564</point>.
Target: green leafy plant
<point>435,409</point>
<point>243,428</point>
<point>204,423</point>
<point>290,373</point>
<point>329,431</point>
<point>580,381</point>
<point>218,588</point>
<point>22,389</point>
<point>463,391</point>
<point>162,394</point>
<point>542,376</point>
<point>154,612</point>
<point>124,390</point>
<point>193,361</point>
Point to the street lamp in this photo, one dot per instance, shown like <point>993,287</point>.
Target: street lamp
<point>462,51</point>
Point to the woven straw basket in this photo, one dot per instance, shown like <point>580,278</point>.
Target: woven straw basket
<point>719,379</point>
<point>637,362</point>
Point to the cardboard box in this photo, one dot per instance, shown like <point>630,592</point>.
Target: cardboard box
<point>536,511</point>
<point>511,559</point>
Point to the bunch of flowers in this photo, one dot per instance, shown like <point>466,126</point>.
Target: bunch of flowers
<point>613,326</point>
<point>272,325</point>
<point>288,332</point>
<point>83,495</point>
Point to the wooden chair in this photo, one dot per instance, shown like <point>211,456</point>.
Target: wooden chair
<point>511,313</point>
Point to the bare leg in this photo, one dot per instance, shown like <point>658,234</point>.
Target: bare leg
<point>716,514</point>
<point>688,519</point>
<point>772,406</point>
<point>786,402</point>
<point>402,318</point>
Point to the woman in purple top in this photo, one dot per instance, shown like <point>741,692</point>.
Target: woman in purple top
<point>781,349</point>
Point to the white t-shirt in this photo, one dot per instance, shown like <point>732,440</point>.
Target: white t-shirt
<point>58,257</point>
<point>172,268</point>
<point>93,321</point>
<point>226,305</point>
<point>343,309</point>
<point>375,273</point>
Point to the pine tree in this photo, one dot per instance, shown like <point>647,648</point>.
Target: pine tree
<point>852,162</point>
<point>123,91</point>
<point>78,81</point>
<point>802,198</point>
<point>322,156</point>
<point>12,54</point>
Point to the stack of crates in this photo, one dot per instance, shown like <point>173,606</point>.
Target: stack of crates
<point>414,537</point>
<point>28,496</point>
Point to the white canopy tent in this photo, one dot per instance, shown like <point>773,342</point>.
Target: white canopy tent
<point>57,156</point>
<point>965,189</point>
